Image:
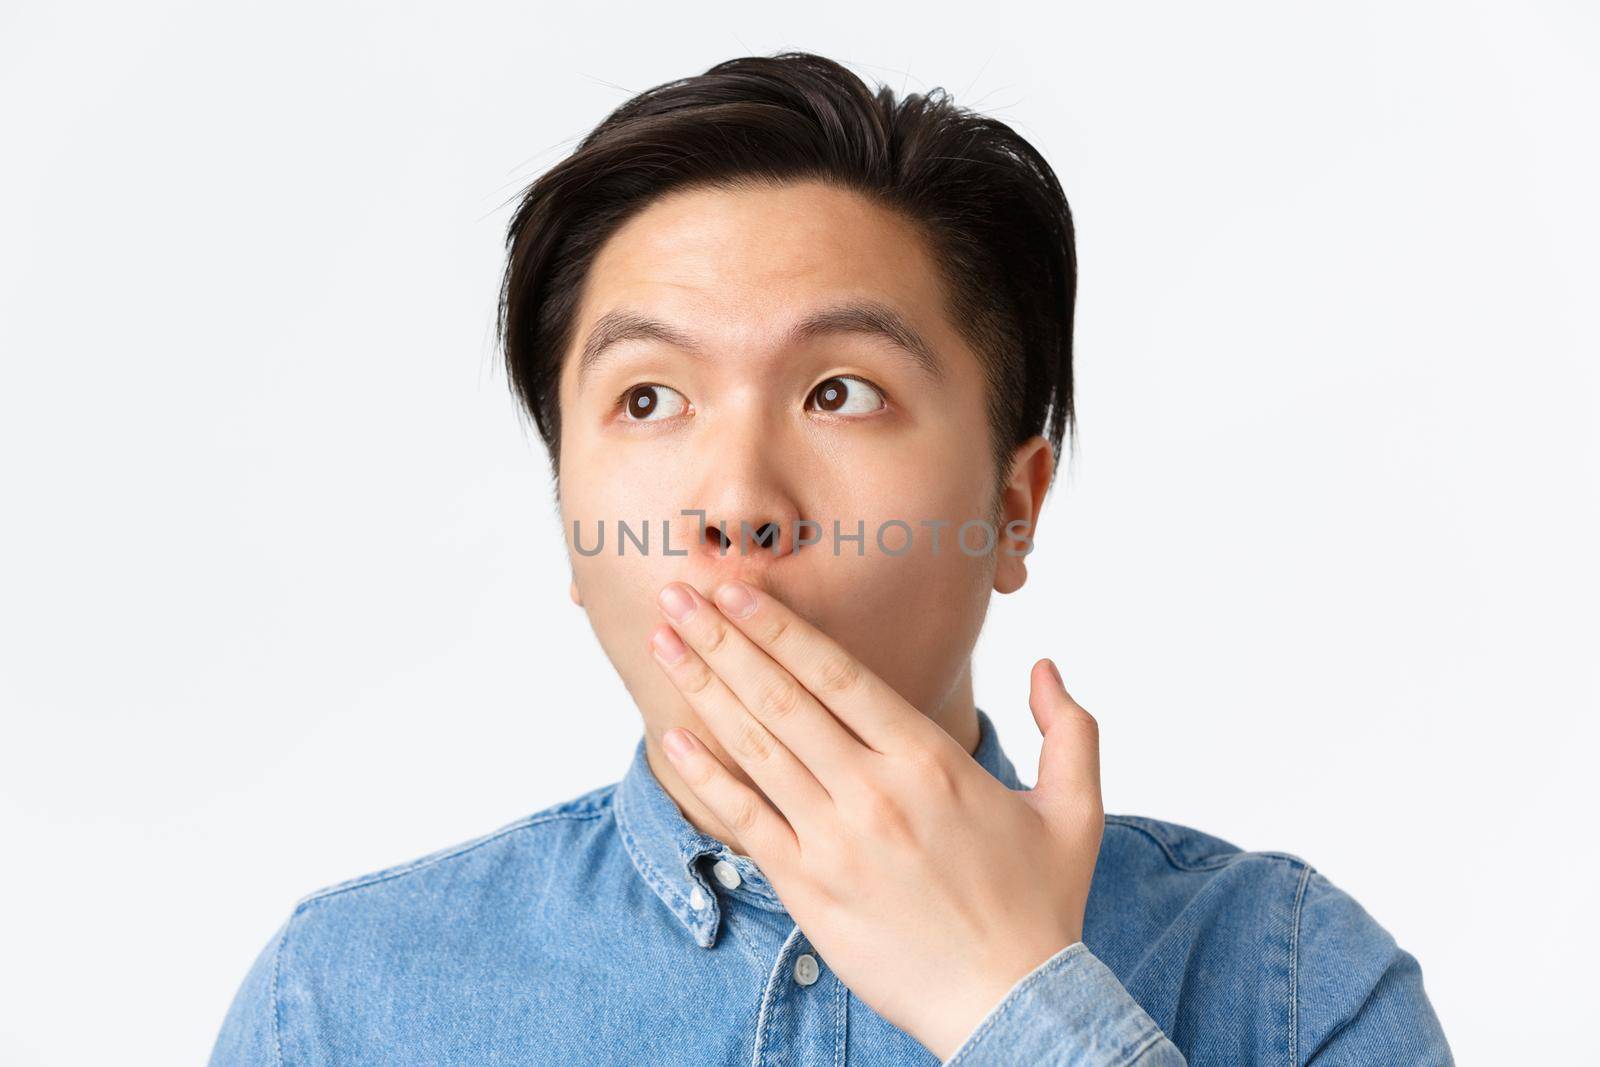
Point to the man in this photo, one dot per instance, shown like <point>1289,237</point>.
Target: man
<point>791,345</point>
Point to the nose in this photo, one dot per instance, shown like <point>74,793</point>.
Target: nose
<point>745,511</point>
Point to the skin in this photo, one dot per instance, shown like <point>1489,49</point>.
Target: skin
<point>874,826</point>
<point>831,730</point>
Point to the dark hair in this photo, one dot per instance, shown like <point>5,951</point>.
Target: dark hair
<point>987,201</point>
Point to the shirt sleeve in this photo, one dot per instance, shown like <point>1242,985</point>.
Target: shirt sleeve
<point>1070,1011</point>
<point>249,1035</point>
<point>1358,996</point>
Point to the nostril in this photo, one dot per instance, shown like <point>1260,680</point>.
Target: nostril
<point>763,536</point>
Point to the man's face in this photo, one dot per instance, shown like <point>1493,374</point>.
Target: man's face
<point>739,428</point>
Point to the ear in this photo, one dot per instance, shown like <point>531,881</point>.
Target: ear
<point>572,591</point>
<point>1021,499</point>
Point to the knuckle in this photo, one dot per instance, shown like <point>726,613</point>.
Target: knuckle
<point>744,815</point>
<point>837,673</point>
<point>778,700</point>
<point>882,815</point>
<point>754,744</point>
<point>698,681</point>
<point>773,630</point>
<point>716,634</point>
<point>931,772</point>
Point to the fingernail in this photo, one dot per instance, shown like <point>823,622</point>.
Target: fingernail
<point>1056,674</point>
<point>668,645</point>
<point>676,742</point>
<point>735,599</point>
<point>675,602</point>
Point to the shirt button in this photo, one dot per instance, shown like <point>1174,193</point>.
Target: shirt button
<point>726,873</point>
<point>697,899</point>
<point>806,969</point>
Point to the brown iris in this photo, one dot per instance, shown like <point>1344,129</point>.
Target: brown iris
<point>832,394</point>
<point>641,401</point>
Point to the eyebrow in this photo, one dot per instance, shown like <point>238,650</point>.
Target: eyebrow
<point>867,317</point>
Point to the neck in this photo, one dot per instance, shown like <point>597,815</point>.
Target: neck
<point>957,714</point>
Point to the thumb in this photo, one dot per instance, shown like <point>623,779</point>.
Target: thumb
<point>1069,762</point>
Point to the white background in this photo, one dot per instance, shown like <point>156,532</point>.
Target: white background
<point>282,592</point>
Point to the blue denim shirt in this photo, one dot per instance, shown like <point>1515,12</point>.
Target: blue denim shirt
<point>607,929</point>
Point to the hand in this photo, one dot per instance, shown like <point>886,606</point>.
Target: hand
<point>928,886</point>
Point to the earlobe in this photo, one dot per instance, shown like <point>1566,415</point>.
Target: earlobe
<point>572,591</point>
<point>1032,464</point>
<point>1011,569</point>
<point>1011,575</point>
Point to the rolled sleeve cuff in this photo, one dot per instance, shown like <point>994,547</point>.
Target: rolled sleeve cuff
<point>1069,1010</point>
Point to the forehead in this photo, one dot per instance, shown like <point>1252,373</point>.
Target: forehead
<point>750,260</point>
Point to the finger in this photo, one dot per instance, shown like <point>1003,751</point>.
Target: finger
<point>884,720</point>
<point>1069,761</point>
<point>773,696</point>
<point>800,798</point>
<point>763,833</point>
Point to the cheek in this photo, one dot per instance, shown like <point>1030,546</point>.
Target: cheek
<point>913,618</point>
<point>619,603</point>
<point>937,472</point>
<point>618,591</point>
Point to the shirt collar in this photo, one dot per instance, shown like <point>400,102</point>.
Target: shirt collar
<point>681,864</point>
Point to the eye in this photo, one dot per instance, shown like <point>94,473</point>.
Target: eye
<point>645,403</point>
<point>847,396</point>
